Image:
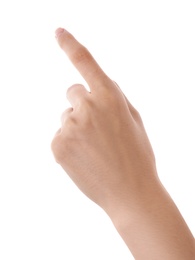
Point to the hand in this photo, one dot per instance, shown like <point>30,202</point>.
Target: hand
<point>102,143</point>
<point>104,148</point>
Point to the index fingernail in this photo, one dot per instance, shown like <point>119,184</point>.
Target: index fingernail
<point>59,31</point>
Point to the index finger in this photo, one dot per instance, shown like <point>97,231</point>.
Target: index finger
<point>82,60</point>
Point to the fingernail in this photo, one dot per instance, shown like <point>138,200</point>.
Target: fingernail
<point>59,31</point>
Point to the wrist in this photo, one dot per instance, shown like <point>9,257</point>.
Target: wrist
<point>151,225</point>
<point>125,204</point>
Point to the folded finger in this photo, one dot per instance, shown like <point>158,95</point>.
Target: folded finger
<point>75,94</point>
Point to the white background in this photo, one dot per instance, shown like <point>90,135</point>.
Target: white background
<point>147,47</point>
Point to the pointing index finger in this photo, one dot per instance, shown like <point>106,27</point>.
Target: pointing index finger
<point>82,60</point>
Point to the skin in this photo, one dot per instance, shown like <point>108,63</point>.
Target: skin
<point>103,146</point>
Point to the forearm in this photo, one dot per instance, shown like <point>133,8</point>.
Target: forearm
<point>152,226</point>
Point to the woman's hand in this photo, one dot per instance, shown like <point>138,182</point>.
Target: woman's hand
<point>103,147</point>
<point>102,143</point>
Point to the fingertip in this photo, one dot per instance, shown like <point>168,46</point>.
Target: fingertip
<point>59,31</point>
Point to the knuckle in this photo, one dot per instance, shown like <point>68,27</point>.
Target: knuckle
<point>68,91</point>
<point>56,148</point>
<point>73,89</point>
<point>62,141</point>
<point>66,114</point>
<point>62,146</point>
<point>135,113</point>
